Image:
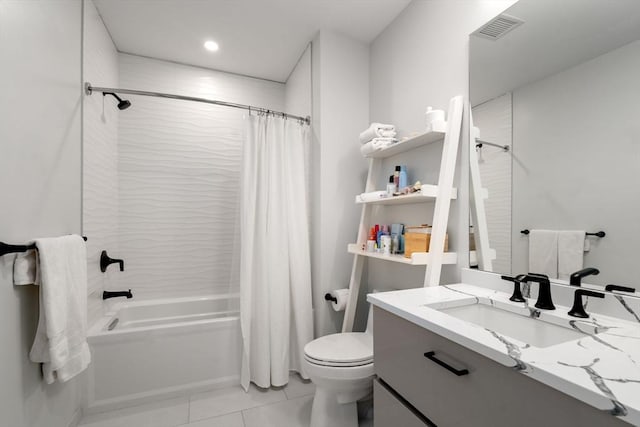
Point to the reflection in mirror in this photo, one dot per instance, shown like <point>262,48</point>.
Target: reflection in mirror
<point>562,91</point>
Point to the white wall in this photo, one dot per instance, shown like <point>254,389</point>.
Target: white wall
<point>40,166</point>
<point>298,102</point>
<point>178,177</point>
<point>100,157</point>
<point>340,70</point>
<point>494,119</point>
<point>421,59</point>
<point>298,87</point>
<point>576,156</point>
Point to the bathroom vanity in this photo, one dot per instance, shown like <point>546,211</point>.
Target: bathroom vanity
<point>462,355</point>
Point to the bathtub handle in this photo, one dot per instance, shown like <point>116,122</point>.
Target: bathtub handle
<point>109,294</point>
<point>106,260</point>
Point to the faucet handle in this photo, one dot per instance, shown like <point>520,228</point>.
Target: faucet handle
<point>545,301</point>
<point>576,278</point>
<point>610,288</point>
<point>578,309</point>
<point>517,294</point>
<point>106,260</point>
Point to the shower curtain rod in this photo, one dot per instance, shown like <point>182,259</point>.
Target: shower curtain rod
<point>89,89</point>
<point>480,143</point>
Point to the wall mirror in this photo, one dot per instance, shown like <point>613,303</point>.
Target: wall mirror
<point>558,84</point>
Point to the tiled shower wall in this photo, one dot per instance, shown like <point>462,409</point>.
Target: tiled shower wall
<point>100,157</point>
<point>178,177</point>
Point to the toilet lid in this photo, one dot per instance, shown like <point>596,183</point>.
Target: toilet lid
<point>343,349</point>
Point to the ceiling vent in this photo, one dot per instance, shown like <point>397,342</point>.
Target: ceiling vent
<point>498,27</point>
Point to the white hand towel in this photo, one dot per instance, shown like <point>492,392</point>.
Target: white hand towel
<point>24,268</point>
<point>377,130</point>
<point>376,144</point>
<point>570,252</point>
<point>61,339</point>
<point>370,197</point>
<point>543,252</point>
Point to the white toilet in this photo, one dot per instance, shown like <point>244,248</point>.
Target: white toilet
<point>341,367</point>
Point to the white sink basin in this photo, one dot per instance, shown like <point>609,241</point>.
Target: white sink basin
<point>517,323</point>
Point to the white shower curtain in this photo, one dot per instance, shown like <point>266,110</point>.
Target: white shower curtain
<point>275,267</point>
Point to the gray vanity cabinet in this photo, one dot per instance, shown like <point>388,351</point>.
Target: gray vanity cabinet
<point>490,395</point>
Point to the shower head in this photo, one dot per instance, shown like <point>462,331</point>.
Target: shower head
<point>123,104</point>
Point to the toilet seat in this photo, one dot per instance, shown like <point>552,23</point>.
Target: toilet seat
<point>346,349</point>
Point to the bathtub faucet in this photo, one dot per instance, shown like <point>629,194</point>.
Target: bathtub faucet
<point>109,294</point>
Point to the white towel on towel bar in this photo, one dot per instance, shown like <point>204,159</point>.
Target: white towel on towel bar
<point>570,252</point>
<point>377,130</point>
<point>61,338</point>
<point>543,252</point>
<point>24,268</point>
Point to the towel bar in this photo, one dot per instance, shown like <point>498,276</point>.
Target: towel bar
<point>6,248</point>
<point>598,234</point>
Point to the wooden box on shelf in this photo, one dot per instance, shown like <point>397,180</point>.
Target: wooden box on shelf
<point>417,239</point>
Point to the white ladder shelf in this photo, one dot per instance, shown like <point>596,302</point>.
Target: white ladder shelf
<point>442,194</point>
<point>484,255</point>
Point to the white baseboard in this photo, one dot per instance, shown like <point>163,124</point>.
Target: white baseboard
<point>159,394</point>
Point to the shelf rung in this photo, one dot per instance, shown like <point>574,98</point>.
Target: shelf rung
<point>437,133</point>
<point>427,194</point>
<point>417,258</point>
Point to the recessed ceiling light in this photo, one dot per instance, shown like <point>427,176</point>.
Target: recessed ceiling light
<point>211,45</point>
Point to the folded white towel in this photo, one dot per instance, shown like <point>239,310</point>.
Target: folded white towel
<point>24,268</point>
<point>376,144</point>
<point>377,130</point>
<point>543,252</point>
<point>61,339</point>
<point>371,196</point>
<point>570,252</point>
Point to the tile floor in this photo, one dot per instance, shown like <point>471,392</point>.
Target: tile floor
<point>289,406</point>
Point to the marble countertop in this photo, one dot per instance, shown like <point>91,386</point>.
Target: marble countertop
<point>601,369</point>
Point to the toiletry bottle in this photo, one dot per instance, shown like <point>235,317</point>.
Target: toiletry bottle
<point>396,177</point>
<point>403,178</point>
<point>396,238</point>
<point>371,242</point>
<point>386,244</point>
<point>391,186</point>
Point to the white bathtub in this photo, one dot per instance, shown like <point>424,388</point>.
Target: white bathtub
<point>153,349</point>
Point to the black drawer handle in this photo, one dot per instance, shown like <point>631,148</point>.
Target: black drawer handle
<point>431,355</point>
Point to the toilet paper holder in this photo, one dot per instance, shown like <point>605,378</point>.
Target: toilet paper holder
<point>330,297</point>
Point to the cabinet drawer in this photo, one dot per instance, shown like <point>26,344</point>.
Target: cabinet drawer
<point>490,394</point>
<point>389,411</point>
